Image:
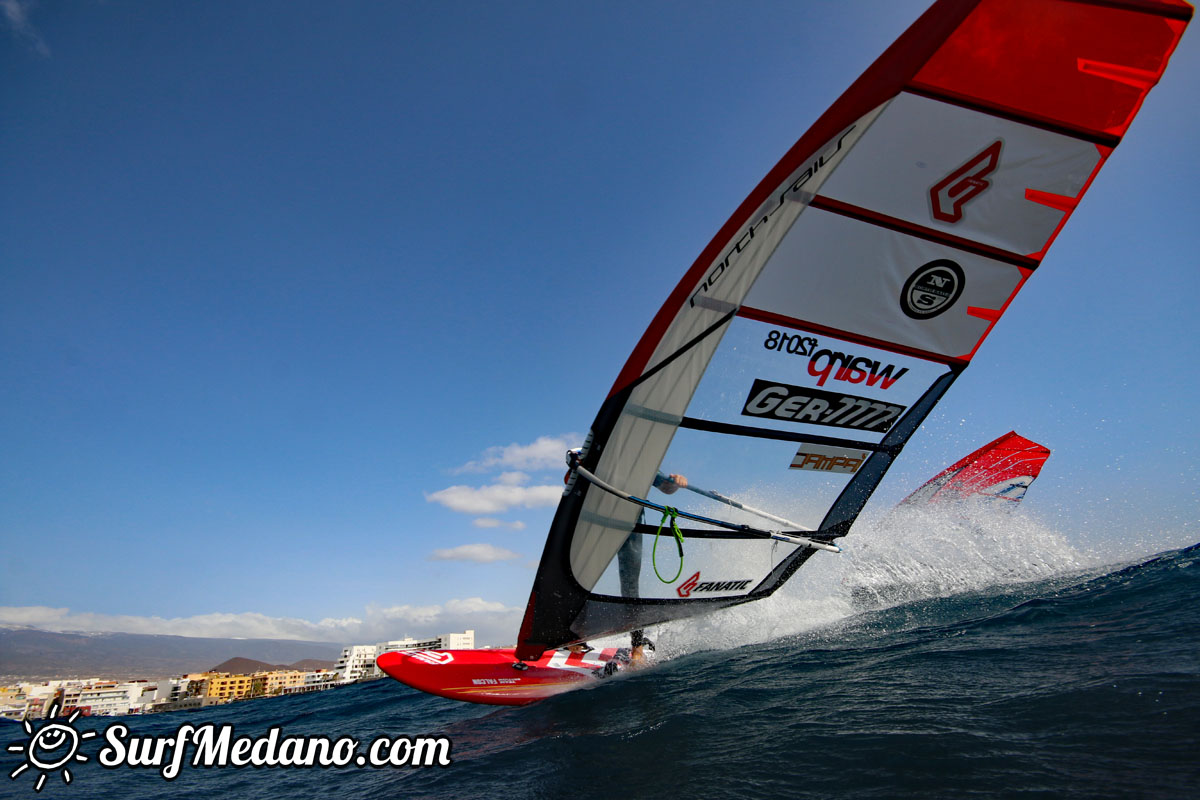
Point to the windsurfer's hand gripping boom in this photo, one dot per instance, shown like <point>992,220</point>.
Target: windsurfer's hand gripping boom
<point>577,468</point>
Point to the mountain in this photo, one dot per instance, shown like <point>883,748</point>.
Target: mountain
<point>246,666</point>
<point>29,653</point>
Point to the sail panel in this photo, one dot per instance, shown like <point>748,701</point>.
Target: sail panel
<point>731,263</point>
<point>778,377</point>
<point>1085,65</point>
<point>633,451</point>
<point>942,287</point>
<point>965,173</point>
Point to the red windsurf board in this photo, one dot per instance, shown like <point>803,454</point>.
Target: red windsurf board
<point>489,676</point>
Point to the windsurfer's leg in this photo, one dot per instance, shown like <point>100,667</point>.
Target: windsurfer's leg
<point>629,568</point>
<point>639,641</point>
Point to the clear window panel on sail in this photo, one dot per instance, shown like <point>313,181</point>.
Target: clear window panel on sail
<point>774,376</point>
<point>766,484</point>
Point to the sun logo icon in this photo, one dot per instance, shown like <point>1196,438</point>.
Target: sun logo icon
<point>53,747</point>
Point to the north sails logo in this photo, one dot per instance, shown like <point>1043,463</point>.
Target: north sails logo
<point>693,584</point>
<point>432,657</point>
<point>932,289</point>
<point>951,193</point>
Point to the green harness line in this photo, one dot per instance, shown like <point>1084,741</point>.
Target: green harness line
<point>673,515</point>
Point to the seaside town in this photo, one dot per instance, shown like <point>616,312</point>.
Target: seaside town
<point>95,697</point>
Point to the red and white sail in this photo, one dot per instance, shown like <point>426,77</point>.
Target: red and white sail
<point>843,297</point>
<point>1000,472</point>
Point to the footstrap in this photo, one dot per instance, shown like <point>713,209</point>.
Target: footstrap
<point>673,515</point>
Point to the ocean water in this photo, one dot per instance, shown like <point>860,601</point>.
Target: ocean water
<point>891,673</point>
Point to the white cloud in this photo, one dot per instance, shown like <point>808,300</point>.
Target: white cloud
<point>509,489</point>
<point>492,522</point>
<point>475,605</point>
<point>479,553</point>
<point>546,452</point>
<point>246,625</point>
<point>16,14</point>
<point>496,498</point>
<point>493,623</point>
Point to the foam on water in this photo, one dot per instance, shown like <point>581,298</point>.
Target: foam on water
<point>907,555</point>
<point>938,551</point>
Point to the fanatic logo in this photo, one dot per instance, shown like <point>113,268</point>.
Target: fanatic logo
<point>432,657</point>
<point>951,193</point>
<point>685,589</point>
<point>693,584</point>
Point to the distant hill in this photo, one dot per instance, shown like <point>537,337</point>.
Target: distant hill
<point>29,653</point>
<point>245,666</point>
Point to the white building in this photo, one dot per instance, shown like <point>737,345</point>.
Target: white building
<point>161,692</point>
<point>357,662</point>
<point>105,698</point>
<point>39,699</point>
<point>458,641</point>
<point>447,641</point>
<point>316,681</point>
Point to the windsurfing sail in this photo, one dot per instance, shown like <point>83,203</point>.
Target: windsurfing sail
<point>838,304</point>
<point>1000,473</point>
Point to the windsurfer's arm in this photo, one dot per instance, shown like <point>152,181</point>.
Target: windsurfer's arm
<point>670,484</point>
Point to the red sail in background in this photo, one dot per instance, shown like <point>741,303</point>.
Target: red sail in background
<point>1002,469</point>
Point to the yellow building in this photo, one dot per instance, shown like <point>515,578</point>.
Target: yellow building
<point>197,685</point>
<point>275,682</point>
<point>223,686</point>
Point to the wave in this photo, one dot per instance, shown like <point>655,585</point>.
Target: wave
<point>908,555</point>
<point>1044,676</point>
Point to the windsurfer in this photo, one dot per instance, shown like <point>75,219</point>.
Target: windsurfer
<point>629,567</point>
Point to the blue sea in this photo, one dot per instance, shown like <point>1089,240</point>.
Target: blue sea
<point>1083,682</point>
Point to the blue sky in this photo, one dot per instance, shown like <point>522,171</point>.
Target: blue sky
<point>278,277</point>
